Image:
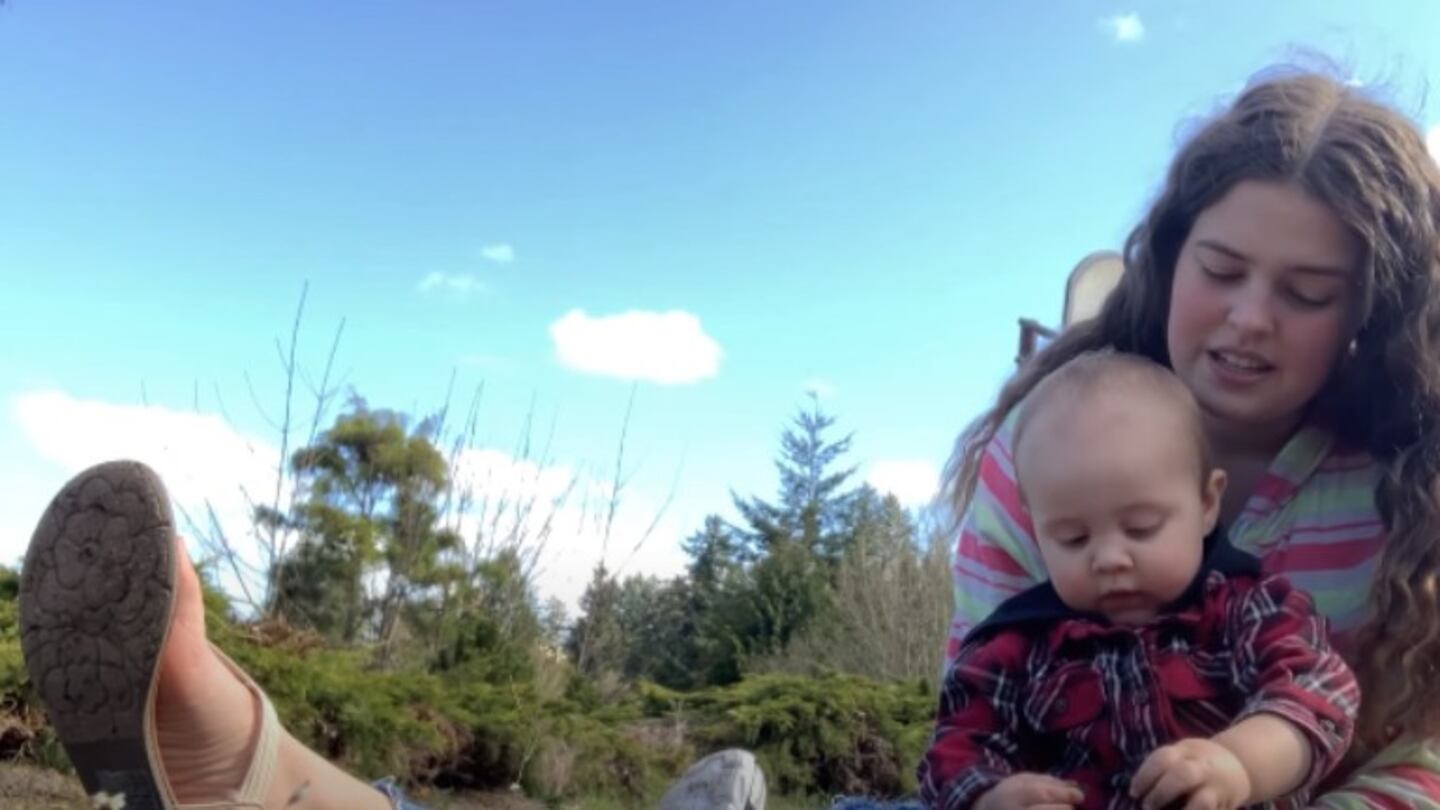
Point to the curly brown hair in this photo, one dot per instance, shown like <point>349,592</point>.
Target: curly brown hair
<point>1369,164</point>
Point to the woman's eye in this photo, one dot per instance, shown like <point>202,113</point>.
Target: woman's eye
<point>1220,275</point>
<point>1308,300</point>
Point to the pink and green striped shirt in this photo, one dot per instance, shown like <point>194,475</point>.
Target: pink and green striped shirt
<point>1312,518</point>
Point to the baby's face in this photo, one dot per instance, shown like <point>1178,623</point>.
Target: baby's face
<point>1113,486</point>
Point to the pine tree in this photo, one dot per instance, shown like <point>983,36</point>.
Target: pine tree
<point>811,506</point>
<point>718,601</point>
<point>780,570</point>
<point>715,554</point>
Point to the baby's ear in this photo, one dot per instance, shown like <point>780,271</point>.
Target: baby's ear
<point>1211,496</point>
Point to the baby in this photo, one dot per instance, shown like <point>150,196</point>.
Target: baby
<point>1157,665</point>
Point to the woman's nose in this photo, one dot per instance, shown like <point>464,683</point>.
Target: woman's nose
<point>1251,309</point>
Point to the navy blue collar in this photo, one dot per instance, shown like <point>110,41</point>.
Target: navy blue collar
<point>1041,604</point>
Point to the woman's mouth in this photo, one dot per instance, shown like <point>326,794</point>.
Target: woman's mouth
<point>1239,366</point>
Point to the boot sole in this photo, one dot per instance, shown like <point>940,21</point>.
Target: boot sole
<point>96,598</point>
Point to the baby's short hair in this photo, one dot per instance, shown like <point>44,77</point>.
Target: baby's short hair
<point>1107,371</point>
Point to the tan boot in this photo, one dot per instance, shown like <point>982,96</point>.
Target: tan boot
<point>97,597</point>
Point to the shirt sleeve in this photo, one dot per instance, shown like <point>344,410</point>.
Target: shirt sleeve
<point>1285,659</point>
<point>1404,776</point>
<point>977,728</point>
<point>996,555</point>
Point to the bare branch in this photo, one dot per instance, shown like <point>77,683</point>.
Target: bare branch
<point>220,404</point>
<point>655,522</point>
<point>255,400</point>
<point>618,483</point>
<point>326,392</point>
<point>288,364</point>
<point>213,538</point>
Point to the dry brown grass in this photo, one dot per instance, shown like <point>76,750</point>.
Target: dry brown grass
<point>24,787</point>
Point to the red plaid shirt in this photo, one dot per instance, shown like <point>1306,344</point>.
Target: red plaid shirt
<point>1040,688</point>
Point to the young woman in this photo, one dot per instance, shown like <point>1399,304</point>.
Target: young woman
<point>1289,273</point>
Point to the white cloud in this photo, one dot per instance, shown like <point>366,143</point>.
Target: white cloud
<point>913,482</point>
<point>820,387</point>
<point>457,283</point>
<point>668,348</point>
<point>202,459</point>
<point>1433,141</point>
<point>1124,27</point>
<point>25,489</point>
<point>501,253</point>
<point>560,513</point>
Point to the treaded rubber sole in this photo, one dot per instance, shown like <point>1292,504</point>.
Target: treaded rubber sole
<point>96,597</point>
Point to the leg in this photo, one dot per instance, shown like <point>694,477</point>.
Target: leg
<point>207,749</point>
<point>113,631</point>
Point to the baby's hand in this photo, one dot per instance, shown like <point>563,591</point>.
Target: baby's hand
<point>1031,791</point>
<point>1203,770</point>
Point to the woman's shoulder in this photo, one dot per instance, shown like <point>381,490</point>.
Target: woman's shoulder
<point>1334,469</point>
<point>1333,502</point>
<point>1342,455</point>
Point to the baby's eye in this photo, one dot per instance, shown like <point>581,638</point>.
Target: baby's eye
<point>1143,532</point>
<point>1072,540</point>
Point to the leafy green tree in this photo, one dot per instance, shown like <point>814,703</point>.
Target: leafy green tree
<point>496,624</point>
<point>371,488</point>
<point>658,629</point>
<point>891,601</point>
<point>877,525</point>
<point>789,589</point>
<point>755,595</point>
<point>596,642</point>
<point>319,584</point>
<point>716,556</point>
<point>719,584</point>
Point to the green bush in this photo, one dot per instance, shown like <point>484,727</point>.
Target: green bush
<point>24,734</point>
<point>449,730</point>
<point>828,734</point>
<point>465,728</point>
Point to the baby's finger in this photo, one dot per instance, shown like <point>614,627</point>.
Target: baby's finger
<point>1176,783</point>
<point>1204,799</point>
<point>1043,791</point>
<point>1149,772</point>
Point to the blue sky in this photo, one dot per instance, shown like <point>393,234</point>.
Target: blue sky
<point>718,205</point>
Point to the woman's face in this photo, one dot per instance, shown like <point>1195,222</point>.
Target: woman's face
<point>1262,305</point>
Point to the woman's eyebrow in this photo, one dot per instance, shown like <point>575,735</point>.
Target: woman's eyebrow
<point>1321,270</point>
<point>1221,247</point>
<point>1314,269</point>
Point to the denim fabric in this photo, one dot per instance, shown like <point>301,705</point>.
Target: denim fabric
<point>396,796</point>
